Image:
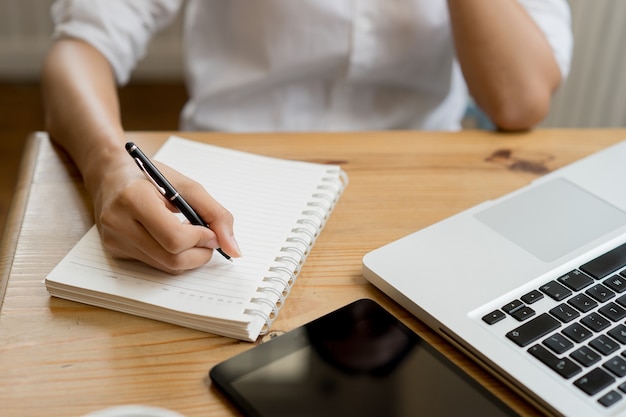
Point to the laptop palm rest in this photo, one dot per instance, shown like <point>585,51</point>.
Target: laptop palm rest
<point>552,219</point>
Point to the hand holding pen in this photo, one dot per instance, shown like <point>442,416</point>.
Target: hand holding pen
<point>166,189</point>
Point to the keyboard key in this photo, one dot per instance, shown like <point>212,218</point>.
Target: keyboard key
<point>494,317</point>
<point>533,330</point>
<point>617,283</point>
<point>512,306</point>
<point>618,333</point>
<point>617,365</point>
<point>606,264</point>
<point>604,344</point>
<point>612,311</point>
<point>535,296</point>
<point>562,366</point>
<point>582,302</point>
<point>594,381</point>
<point>621,301</point>
<point>577,332</point>
<point>610,398</point>
<point>575,280</point>
<point>555,290</point>
<point>600,293</point>
<point>564,312</point>
<point>585,356</point>
<point>558,343</point>
<point>523,313</point>
<point>595,322</point>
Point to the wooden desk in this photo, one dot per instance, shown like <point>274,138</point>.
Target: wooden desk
<point>60,358</point>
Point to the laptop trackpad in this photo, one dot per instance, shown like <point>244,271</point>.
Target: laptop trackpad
<point>553,218</point>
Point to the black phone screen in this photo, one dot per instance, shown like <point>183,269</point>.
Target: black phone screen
<point>356,361</point>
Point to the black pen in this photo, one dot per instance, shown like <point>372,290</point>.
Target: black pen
<point>165,188</point>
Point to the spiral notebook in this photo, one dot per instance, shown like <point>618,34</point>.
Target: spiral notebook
<point>280,206</point>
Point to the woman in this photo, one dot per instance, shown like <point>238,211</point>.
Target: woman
<point>272,65</point>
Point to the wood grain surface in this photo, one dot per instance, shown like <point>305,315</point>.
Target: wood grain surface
<point>61,358</point>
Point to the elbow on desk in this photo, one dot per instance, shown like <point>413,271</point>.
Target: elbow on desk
<point>518,113</point>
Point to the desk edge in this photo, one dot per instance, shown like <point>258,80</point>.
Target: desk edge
<point>17,209</point>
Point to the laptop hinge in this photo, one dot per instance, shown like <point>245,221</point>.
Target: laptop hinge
<point>493,370</point>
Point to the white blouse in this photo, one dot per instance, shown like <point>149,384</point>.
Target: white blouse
<point>305,65</point>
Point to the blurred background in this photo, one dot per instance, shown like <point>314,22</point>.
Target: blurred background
<point>593,96</point>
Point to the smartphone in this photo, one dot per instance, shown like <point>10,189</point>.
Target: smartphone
<point>359,360</point>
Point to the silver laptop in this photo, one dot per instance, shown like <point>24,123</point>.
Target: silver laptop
<point>531,285</point>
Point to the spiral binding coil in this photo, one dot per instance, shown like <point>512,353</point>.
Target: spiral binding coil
<point>296,249</point>
<point>301,253</point>
<point>280,295</point>
<point>290,259</point>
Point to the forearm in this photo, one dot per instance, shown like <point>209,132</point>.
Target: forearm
<point>507,62</point>
<point>81,107</point>
<point>83,116</point>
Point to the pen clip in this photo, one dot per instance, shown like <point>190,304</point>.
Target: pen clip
<point>143,169</point>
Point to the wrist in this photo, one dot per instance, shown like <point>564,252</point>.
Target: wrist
<point>100,162</point>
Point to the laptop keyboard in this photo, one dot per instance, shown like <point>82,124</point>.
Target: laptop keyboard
<point>582,337</point>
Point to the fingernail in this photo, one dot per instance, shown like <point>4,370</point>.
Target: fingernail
<point>239,255</point>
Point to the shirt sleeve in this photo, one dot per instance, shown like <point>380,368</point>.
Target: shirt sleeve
<point>119,29</point>
<point>554,18</point>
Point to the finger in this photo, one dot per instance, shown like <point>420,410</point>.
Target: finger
<point>153,212</point>
<point>137,243</point>
<point>140,225</point>
<point>219,219</point>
